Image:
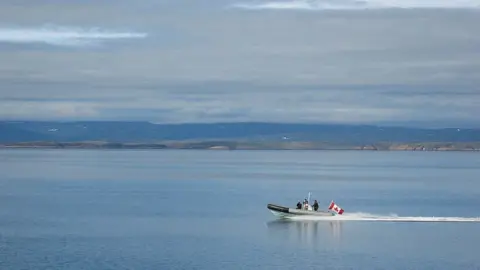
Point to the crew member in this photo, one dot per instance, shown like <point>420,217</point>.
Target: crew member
<point>315,205</point>
<point>299,205</point>
<point>305,204</point>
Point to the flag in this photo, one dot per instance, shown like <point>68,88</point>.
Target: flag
<point>335,208</point>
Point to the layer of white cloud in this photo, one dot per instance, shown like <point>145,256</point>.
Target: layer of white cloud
<point>211,64</point>
<point>430,105</point>
<point>47,110</point>
<point>358,4</point>
<point>63,36</point>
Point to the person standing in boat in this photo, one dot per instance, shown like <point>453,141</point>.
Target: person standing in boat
<point>299,205</point>
<point>315,205</point>
<point>305,204</point>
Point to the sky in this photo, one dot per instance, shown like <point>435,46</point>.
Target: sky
<point>394,62</point>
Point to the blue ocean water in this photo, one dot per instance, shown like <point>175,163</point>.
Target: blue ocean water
<point>87,209</point>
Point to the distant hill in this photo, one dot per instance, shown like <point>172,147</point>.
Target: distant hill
<point>145,132</point>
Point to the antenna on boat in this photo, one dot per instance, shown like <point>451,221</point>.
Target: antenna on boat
<point>308,197</point>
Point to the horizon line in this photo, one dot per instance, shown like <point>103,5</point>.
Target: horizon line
<point>379,125</point>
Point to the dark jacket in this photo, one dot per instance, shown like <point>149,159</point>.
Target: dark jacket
<point>315,206</point>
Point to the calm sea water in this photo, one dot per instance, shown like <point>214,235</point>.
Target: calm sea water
<point>62,209</point>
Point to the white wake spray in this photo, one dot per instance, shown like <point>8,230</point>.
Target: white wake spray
<point>389,218</point>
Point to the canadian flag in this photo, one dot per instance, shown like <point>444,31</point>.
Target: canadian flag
<point>335,208</point>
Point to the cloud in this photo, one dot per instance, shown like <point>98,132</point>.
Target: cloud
<point>63,36</point>
<point>42,110</point>
<point>204,63</point>
<point>429,105</point>
<point>358,4</point>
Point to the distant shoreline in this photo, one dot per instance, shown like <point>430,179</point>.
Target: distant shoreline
<point>232,136</point>
<point>249,145</point>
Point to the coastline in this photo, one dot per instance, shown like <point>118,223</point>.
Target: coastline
<point>250,145</point>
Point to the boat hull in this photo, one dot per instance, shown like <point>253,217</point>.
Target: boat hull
<point>286,212</point>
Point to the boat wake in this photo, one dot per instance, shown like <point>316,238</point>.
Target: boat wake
<point>386,218</point>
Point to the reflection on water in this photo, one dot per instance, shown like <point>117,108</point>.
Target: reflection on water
<point>307,232</point>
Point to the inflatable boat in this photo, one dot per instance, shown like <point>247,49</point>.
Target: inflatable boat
<point>304,209</point>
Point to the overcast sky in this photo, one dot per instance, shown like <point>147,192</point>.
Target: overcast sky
<point>411,62</point>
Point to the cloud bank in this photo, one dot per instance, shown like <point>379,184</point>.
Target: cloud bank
<point>359,4</point>
<point>204,63</point>
<point>63,36</point>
